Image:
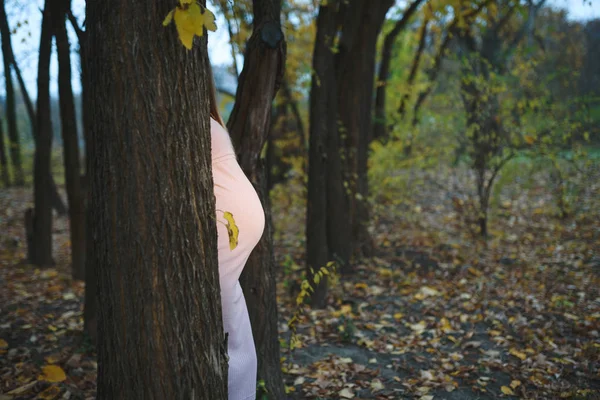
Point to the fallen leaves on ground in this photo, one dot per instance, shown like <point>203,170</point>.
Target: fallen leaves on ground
<point>433,313</point>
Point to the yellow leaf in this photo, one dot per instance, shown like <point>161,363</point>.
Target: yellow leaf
<point>232,230</point>
<point>515,384</point>
<point>289,389</point>
<point>3,344</point>
<point>446,327</point>
<point>398,316</point>
<point>49,394</point>
<point>529,139</point>
<point>169,18</point>
<point>518,354</point>
<point>52,373</point>
<point>360,286</point>
<point>52,359</point>
<point>190,19</point>
<point>185,27</point>
<point>346,309</point>
<point>206,20</point>
<point>507,390</point>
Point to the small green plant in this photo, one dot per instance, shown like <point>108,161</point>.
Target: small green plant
<point>262,393</point>
<point>346,328</point>
<point>306,289</point>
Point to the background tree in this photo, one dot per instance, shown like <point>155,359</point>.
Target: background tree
<point>355,63</point>
<point>56,200</point>
<point>249,125</point>
<point>324,165</point>
<point>490,140</point>
<point>379,123</point>
<point>42,215</point>
<point>90,311</point>
<point>3,158</point>
<point>70,140</point>
<point>10,110</point>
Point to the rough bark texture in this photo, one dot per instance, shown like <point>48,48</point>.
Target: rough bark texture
<point>153,213</point>
<point>42,218</point>
<point>355,63</point>
<point>3,161</point>
<point>70,142</point>
<point>248,126</point>
<point>380,124</point>
<point>11,113</point>
<point>323,105</point>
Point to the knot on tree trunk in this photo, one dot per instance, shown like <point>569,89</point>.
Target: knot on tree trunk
<point>271,34</point>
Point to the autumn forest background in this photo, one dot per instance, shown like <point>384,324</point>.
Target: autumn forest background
<point>430,172</point>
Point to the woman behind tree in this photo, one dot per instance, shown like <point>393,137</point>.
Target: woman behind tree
<point>234,194</point>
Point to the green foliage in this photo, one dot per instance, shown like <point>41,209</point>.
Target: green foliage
<point>262,393</point>
<point>306,289</point>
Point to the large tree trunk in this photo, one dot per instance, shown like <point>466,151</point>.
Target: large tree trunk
<point>42,218</point>
<point>70,142</point>
<point>248,126</point>
<point>355,65</point>
<point>153,209</point>
<point>11,113</point>
<point>323,130</point>
<point>380,122</point>
<point>3,160</point>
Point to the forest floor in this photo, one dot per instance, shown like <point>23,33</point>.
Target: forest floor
<point>434,314</point>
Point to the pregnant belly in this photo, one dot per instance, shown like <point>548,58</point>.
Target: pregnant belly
<point>235,194</point>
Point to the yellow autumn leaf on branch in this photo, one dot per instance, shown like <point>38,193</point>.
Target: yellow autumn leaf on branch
<point>190,20</point>
<point>232,230</point>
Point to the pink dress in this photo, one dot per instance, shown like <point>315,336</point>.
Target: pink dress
<point>235,193</point>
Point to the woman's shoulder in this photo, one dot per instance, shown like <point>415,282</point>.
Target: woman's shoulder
<point>220,140</point>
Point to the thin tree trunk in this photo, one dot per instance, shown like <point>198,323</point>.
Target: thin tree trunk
<point>90,309</point>
<point>355,65</point>
<point>249,125</point>
<point>42,218</point>
<point>437,63</point>
<point>70,142</point>
<point>323,125</point>
<point>153,209</point>
<point>11,112</point>
<point>3,160</point>
<point>272,161</point>
<point>224,9</point>
<point>293,104</point>
<point>57,202</point>
<point>380,123</point>
<point>414,66</point>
